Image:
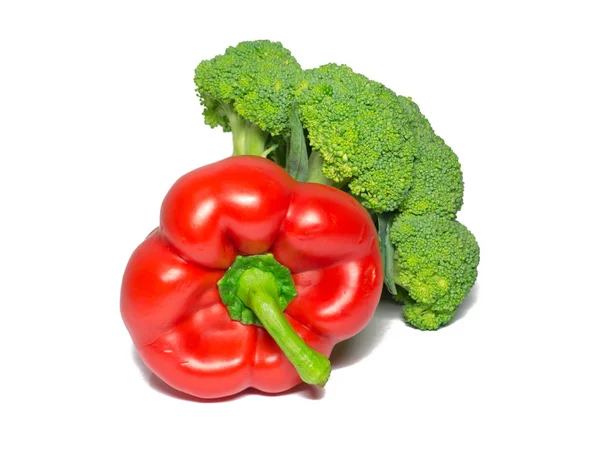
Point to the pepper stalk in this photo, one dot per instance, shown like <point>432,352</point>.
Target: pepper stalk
<point>256,290</point>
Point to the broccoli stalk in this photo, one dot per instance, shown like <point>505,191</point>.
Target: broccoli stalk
<point>248,139</point>
<point>315,170</point>
<point>315,173</point>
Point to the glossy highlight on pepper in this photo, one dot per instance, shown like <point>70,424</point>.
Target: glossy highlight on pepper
<point>244,206</point>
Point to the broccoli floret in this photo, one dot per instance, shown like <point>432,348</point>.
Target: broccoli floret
<point>436,264</point>
<point>437,183</point>
<point>249,91</point>
<point>361,133</point>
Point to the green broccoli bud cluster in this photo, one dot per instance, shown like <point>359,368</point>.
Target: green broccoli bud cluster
<point>249,91</point>
<point>436,264</point>
<point>358,126</point>
<point>437,184</point>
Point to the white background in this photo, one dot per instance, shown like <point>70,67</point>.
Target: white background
<point>98,117</point>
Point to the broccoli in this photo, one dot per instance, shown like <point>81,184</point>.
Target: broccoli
<point>361,138</point>
<point>361,132</point>
<point>249,91</point>
<point>437,184</point>
<point>435,265</point>
<point>359,135</point>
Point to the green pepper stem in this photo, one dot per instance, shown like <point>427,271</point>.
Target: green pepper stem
<point>256,290</point>
<point>312,366</point>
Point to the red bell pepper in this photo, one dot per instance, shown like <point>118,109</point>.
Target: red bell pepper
<point>250,280</point>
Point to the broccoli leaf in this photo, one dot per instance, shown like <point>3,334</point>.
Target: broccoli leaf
<point>387,250</point>
<point>297,157</point>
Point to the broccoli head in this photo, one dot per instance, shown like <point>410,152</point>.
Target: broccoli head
<point>360,131</point>
<point>436,265</point>
<point>437,183</point>
<point>249,91</point>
